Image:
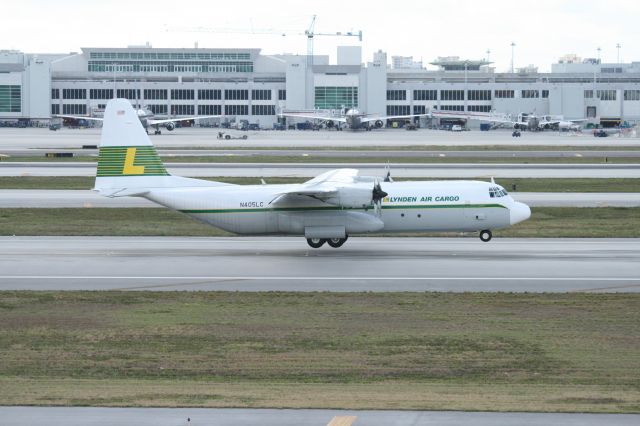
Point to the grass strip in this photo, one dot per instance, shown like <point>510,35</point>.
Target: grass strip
<point>521,184</point>
<point>552,222</point>
<point>465,351</point>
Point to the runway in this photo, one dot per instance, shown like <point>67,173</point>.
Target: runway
<point>449,170</point>
<point>90,416</point>
<point>41,198</point>
<point>288,264</point>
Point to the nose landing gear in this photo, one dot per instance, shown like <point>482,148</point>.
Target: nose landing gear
<point>485,235</point>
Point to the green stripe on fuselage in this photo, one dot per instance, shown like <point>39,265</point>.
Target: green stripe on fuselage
<point>338,208</point>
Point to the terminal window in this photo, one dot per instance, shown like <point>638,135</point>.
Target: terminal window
<point>76,109</point>
<point>236,95</point>
<point>505,94</point>
<point>55,93</point>
<point>282,95</point>
<point>425,95</point>
<point>182,109</point>
<point>131,94</point>
<point>209,94</point>
<point>528,94</point>
<point>396,95</point>
<point>158,109</point>
<point>452,95</point>
<point>398,110</point>
<point>452,107</point>
<point>182,94</point>
<point>606,95</point>
<point>155,94</point>
<point>327,97</point>
<point>10,99</point>
<point>632,95</point>
<point>545,94</point>
<point>479,108</point>
<point>100,93</point>
<point>261,95</point>
<point>479,95</point>
<point>236,110</point>
<point>209,109</point>
<point>263,110</point>
<point>588,94</point>
<point>419,109</point>
<point>55,109</point>
<point>74,93</point>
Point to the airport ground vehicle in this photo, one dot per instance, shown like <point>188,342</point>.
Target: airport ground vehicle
<point>223,135</point>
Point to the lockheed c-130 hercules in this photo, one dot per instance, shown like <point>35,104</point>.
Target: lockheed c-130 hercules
<point>326,209</point>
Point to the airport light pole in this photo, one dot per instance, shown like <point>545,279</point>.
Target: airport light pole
<point>513,45</point>
<point>598,49</point>
<point>618,47</point>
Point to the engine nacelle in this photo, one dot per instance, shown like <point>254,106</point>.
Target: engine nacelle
<point>329,124</point>
<point>353,197</point>
<point>170,126</point>
<point>519,126</point>
<point>378,124</point>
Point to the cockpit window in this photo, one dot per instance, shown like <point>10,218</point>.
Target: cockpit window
<point>496,192</point>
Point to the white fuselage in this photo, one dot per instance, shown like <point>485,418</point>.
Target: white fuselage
<point>409,207</point>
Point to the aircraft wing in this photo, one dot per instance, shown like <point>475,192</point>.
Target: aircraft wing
<point>153,122</point>
<point>79,117</point>
<point>367,119</point>
<point>314,117</point>
<point>321,187</point>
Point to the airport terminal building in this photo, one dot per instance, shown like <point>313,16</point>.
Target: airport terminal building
<point>243,84</point>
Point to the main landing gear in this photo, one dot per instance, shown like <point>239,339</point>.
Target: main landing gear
<point>485,235</point>
<point>333,242</point>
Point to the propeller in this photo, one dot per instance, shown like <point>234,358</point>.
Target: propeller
<point>388,177</point>
<point>377,196</point>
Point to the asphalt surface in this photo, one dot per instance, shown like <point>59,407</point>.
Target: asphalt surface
<point>358,153</point>
<point>203,137</point>
<point>41,198</point>
<point>288,264</point>
<point>452,170</point>
<point>90,416</point>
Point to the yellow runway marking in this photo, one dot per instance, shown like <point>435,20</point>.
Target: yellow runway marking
<point>342,421</point>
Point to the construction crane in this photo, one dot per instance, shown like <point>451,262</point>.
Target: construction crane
<point>309,33</point>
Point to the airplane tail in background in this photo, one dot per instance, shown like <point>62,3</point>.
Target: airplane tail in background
<point>128,163</point>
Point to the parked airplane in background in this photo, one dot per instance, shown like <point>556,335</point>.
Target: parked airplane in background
<point>524,121</point>
<point>325,209</point>
<point>147,119</point>
<point>352,118</point>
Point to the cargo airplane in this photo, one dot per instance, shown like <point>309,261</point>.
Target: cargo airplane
<point>351,118</point>
<point>326,209</point>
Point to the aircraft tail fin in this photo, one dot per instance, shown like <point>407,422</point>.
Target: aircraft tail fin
<point>128,163</point>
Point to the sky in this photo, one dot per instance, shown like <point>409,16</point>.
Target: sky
<point>542,30</point>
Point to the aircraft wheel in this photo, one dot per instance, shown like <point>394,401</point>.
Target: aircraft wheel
<point>227,137</point>
<point>316,242</point>
<point>485,235</point>
<point>336,242</point>
<point>157,132</point>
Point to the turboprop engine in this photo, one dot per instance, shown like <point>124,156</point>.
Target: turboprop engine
<point>358,196</point>
<point>170,126</point>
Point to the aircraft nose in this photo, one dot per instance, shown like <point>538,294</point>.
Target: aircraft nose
<point>519,212</point>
